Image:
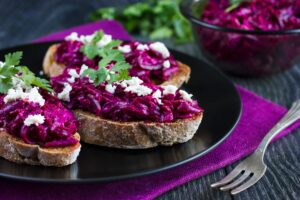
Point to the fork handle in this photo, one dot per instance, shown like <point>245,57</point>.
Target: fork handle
<point>289,118</point>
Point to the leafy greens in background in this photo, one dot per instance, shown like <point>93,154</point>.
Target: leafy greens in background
<point>156,19</point>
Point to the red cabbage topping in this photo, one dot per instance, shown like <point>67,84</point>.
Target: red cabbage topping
<point>57,130</point>
<point>254,14</point>
<point>124,106</point>
<point>146,64</point>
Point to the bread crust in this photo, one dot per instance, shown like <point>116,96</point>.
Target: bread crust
<point>134,135</point>
<point>16,150</point>
<point>52,68</point>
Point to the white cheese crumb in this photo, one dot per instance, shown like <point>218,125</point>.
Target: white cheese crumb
<point>73,73</point>
<point>104,40</point>
<point>157,95</point>
<point>86,39</point>
<point>186,96</point>
<point>142,47</point>
<point>34,119</point>
<point>18,83</point>
<point>41,73</point>
<point>72,37</point>
<point>134,85</point>
<point>160,48</point>
<point>110,88</point>
<point>32,95</point>
<point>82,69</point>
<point>65,94</point>
<point>169,89</point>
<point>166,64</point>
<point>125,49</point>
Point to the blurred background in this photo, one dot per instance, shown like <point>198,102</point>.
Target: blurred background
<point>24,21</point>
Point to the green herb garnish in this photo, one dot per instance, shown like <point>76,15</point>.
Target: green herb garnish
<point>234,4</point>
<point>11,69</point>
<point>108,54</point>
<point>155,19</point>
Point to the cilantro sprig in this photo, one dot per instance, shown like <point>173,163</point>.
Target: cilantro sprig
<point>234,4</point>
<point>12,69</point>
<point>109,54</point>
<point>155,19</point>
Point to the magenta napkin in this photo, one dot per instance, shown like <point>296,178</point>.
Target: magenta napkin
<point>258,116</point>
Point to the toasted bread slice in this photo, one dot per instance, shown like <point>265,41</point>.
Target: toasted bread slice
<point>134,135</point>
<point>52,69</point>
<point>15,150</point>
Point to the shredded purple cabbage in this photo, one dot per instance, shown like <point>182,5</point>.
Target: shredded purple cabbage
<point>146,64</point>
<point>254,14</point>
<point>57,130</point>
<point>124,106</point>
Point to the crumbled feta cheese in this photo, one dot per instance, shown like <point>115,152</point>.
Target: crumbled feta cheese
<point>73,73</point>
<point>107,77</point>
<point>31,95</point>
<point>166,64</point>
<point>41,73</point>
<point>35,96</point>
<point>65,94</point>
<point>82,69</point>
<point>134,85</point>
<point>86,39</point>
<point>72,37</point>
<point>125,49</point>
<point>142,47</point>
<point>169,89</point>
<point>131,82</point>
<point>110,88</point>
<point>34,119</point>
<point>157,95</point>
<point>160,48</point>
<point>104,40</point>
<point>186,96</point>
<point>140,90</point>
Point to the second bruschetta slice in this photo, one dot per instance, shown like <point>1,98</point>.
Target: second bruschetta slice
<point>151,62</point>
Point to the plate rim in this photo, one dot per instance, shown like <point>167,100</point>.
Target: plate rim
<point>143,173</point>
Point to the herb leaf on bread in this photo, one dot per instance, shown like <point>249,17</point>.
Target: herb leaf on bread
<point>10,69</point>
<point>109,54</point>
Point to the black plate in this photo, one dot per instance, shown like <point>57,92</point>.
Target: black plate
<point>215,93</point>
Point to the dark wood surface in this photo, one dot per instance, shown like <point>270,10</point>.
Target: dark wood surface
<point>23,21</point>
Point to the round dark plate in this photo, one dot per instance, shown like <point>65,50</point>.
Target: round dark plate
<point>215,93</point>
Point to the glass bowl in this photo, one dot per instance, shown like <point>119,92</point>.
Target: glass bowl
<point>243,52</point>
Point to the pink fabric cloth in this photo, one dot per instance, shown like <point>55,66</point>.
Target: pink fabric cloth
<point>258,116</point>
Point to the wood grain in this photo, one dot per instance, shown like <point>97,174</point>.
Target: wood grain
<point>23,21</point>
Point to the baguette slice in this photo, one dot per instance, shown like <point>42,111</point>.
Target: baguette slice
<point>134,135</point>
<point>52,69</point>
<point>15,150</point>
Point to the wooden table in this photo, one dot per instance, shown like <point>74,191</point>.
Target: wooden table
<point>23,21</point>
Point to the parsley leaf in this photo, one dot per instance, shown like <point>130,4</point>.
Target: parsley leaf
<point>11,69</point>
<point>30,79</point>
<point>108,54</point>
<point>13,59</point>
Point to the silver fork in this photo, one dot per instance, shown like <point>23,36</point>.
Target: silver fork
<point>250,170</point>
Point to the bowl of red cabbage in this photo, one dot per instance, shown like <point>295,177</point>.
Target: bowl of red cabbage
<point>247,37</point>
